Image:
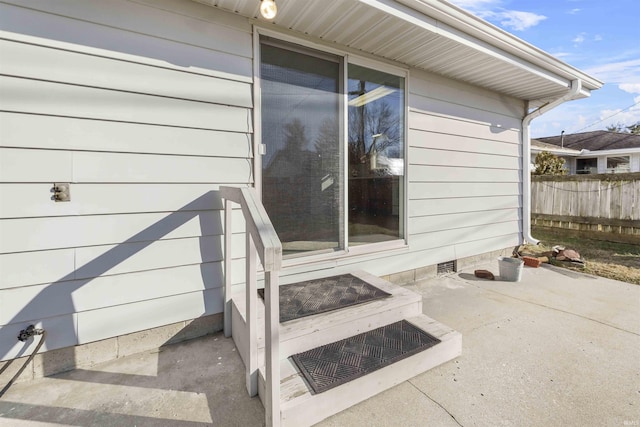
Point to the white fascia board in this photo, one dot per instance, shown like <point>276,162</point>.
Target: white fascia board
<point>557,152</point>
<point>614,152</point>
<point>476,29</point>
<point>419,19</point>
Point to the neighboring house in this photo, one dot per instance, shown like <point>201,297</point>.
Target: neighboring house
<point>593,152</point>
<point>145,108</point>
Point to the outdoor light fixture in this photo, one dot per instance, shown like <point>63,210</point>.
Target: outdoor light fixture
<point>268,9</point>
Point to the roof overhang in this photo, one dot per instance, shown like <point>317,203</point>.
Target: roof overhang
<point>557,151</point>
<point>432,35</point>
<point>612,152</point>
<point>569,152</point>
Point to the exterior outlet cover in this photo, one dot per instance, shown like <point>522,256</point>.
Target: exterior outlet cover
<point>61,192</point>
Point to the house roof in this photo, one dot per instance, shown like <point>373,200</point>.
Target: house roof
<point>537,146</point>
<point>432,35</point>
<point>594,141</point>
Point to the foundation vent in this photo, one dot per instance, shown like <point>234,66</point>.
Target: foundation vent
<point>446,267</point>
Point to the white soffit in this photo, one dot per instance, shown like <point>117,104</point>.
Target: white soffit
<point>432,35</point>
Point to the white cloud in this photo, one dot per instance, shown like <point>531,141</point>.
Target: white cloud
<point>630,87</point>
<point>518,20</point>
<point>574,11</point>
<point>475,4</point>
<point>562,54</point>
<point>582,37</point>
<point>582,121</point>
<point>628,116</point>
<point>618,72</point>
<point>491,10</point>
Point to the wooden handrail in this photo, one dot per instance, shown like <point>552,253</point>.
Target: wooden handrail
<point>259,225</point>
<point>261,239</point>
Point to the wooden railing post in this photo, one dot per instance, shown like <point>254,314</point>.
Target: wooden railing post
<point>272,348</point>
<point>228,209</point>
<point>252,317</point>
<point>262,241</point>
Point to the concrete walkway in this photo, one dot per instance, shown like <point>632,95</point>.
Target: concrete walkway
<point>557,348</point>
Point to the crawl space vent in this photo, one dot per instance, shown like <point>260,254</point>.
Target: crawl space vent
<point>446,267</point>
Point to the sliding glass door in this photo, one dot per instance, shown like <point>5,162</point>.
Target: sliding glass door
<point>301,170</point>
<point>322,132</point>
<point>376,155</point>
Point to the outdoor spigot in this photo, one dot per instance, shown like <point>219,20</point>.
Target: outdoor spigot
<point>31,330</point>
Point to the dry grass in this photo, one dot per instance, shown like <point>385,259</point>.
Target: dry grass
<point>619,261</point>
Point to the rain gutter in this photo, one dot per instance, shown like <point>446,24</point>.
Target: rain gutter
<point>574,91</point>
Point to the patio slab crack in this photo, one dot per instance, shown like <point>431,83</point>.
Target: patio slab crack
<point>436,402</point>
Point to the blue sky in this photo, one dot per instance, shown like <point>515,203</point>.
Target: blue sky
<point>599,37</point>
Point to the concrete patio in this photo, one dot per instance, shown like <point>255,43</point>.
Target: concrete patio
<point>557,348</point>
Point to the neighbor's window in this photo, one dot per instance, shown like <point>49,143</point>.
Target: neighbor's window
<point>586,166</point>
<point>618,164</point>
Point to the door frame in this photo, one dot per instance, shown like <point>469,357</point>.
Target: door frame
<point>258,146</point>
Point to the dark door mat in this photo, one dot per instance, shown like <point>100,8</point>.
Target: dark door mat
<point>321,295</point>
<point>331,365</point>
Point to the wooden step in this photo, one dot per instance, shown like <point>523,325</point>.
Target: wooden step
<point>299,407</point>
<point>308,332</point>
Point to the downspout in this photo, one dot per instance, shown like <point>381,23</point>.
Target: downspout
<point>576,86</point>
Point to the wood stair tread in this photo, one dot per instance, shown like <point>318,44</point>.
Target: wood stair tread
<point>400,297</point>
<point>299,405</point>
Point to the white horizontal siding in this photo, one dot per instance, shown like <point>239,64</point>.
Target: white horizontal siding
<point>30,268</point>
<point>463,234</point>
<point>468,144</point>
<point>443,206</point>
<point>63,66</point>
<point>90,294</point>
<point>445,173</point>
<point>464,168</point>
<point>435,122</point>
<point>428,224</point>
<point>62,331</point>
<point>435,190</point>
<point>39,97</point>
<point>138,33</point>
<point>431,157</point>
<point>34,131</point>
<point>34,199</point>
<point>128,318</point>
<point>146,109</point>
<point>33,165</point>
<point>36,234</point>
<point>439,88</point>
<point>115,167</point>
<point>51,266</point>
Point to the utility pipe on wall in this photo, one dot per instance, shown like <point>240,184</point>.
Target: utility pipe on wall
<point>576,87</point>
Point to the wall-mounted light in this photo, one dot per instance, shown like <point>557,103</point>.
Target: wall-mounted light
<point>268,9</point>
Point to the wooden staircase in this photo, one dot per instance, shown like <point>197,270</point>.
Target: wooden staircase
<point>266,345</point>
<point>298,406</point>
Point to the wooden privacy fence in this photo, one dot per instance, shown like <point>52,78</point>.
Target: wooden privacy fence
<point>606,203</point>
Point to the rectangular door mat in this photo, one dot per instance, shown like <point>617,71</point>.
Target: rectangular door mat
<point>331,365</point>
<point>321,295</point>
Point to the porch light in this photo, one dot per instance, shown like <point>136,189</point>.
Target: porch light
<point>268,9</point>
